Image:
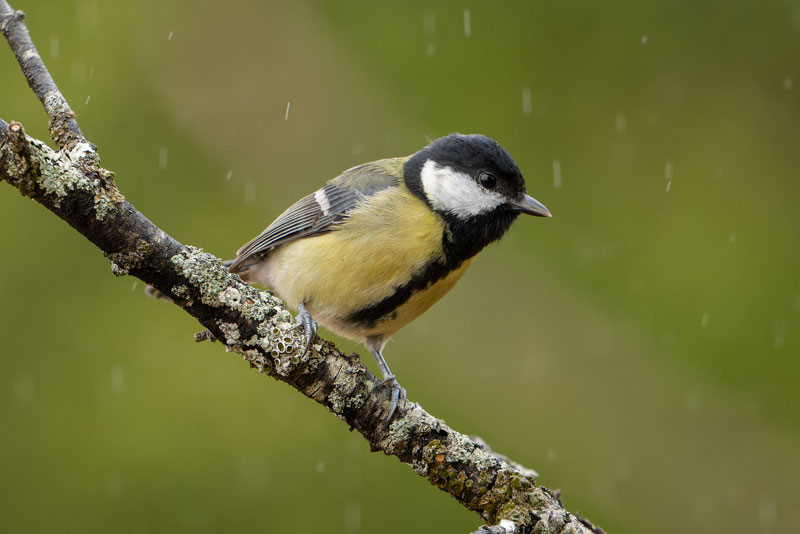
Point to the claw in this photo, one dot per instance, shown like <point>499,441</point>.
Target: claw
<point>375,346</point>
<point>398,392</point>
<point>309,325</point>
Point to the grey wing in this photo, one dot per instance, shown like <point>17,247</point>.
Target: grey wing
<point>314,214</point>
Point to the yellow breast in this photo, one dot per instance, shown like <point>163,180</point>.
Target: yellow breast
<point>376,250</point>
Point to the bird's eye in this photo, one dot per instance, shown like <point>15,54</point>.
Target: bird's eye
<point>487,180</point>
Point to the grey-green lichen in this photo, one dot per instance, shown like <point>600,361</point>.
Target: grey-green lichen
<point>400,430</point>
<point>205,272</point>
<point>59,173</point>
<point>277,346</point>
<point>230,331</point>
<point>466,469</point>
<point>123,262</point>
<point>180,291</point>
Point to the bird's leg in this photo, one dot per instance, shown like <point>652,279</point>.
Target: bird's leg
<point>309,325</point>
<point>398,391</point>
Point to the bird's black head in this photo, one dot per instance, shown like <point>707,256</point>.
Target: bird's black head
<point>475,185</point>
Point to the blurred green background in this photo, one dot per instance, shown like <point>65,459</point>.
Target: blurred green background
<point>640,350</point>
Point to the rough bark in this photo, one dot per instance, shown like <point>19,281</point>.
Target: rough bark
<point>255,324</point>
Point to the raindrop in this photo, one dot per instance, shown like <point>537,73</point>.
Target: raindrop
<point>54,46</point>
<point>788,83</point>
<point>621,123</point>
<point>767,512</point>
<point>288,105</point>
<point>704,321</point>
<point>669,170</point>
<point>229,175</point>
<point>352,516</point>
<point>556,174</point>
<point>320,468</point>
<point>250,193</point>
<point>779,329</point>
<point>162,157</point>
<point>467,23</point>
<point>87,99</point>
<point>135,285</point>
<point>117,379</point>
<point>669,186</point>
<point>429,23</point>
<point>526,101</point>
<point>644,39</point>
<point>169,37</point>
<point>430,49</point>
<point>91,73</point>
<point>732,238</point>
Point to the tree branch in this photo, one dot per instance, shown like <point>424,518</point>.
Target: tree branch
<point>255,324</point>
<point>64,127</point>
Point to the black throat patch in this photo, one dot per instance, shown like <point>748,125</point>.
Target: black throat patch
<point>461,240</point>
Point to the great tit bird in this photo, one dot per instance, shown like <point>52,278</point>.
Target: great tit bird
<point>376,246</point>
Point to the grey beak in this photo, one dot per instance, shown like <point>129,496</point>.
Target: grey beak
<point>531,206</point>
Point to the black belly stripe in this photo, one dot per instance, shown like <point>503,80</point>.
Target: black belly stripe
<point>371,315</point>
<point>462,240</point>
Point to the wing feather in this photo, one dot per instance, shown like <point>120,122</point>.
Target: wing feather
<point>320,211</point>
<point>304,218</point>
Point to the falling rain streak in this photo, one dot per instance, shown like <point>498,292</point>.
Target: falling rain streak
<point>669,172</point>
<point>526,102</point>
<point>557,174</point>
<point>117,379</point>
<point>250,193</point>
<point>467,24</point>
<point>54,46</point>
<point>621,123</point>
<point>162,158</point>
<point>288,105</point>
<point>429,23</point>
<point>428,29</point>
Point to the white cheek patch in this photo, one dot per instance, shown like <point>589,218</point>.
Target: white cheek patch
<point>455,192</point>
<point>322,200</point>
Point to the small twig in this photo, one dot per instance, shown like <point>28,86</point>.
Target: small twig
<point>64,129</point>
<point>18,143</point>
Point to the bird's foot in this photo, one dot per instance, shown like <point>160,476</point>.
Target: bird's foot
<point>309,325</point>
<point>398,394</point>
